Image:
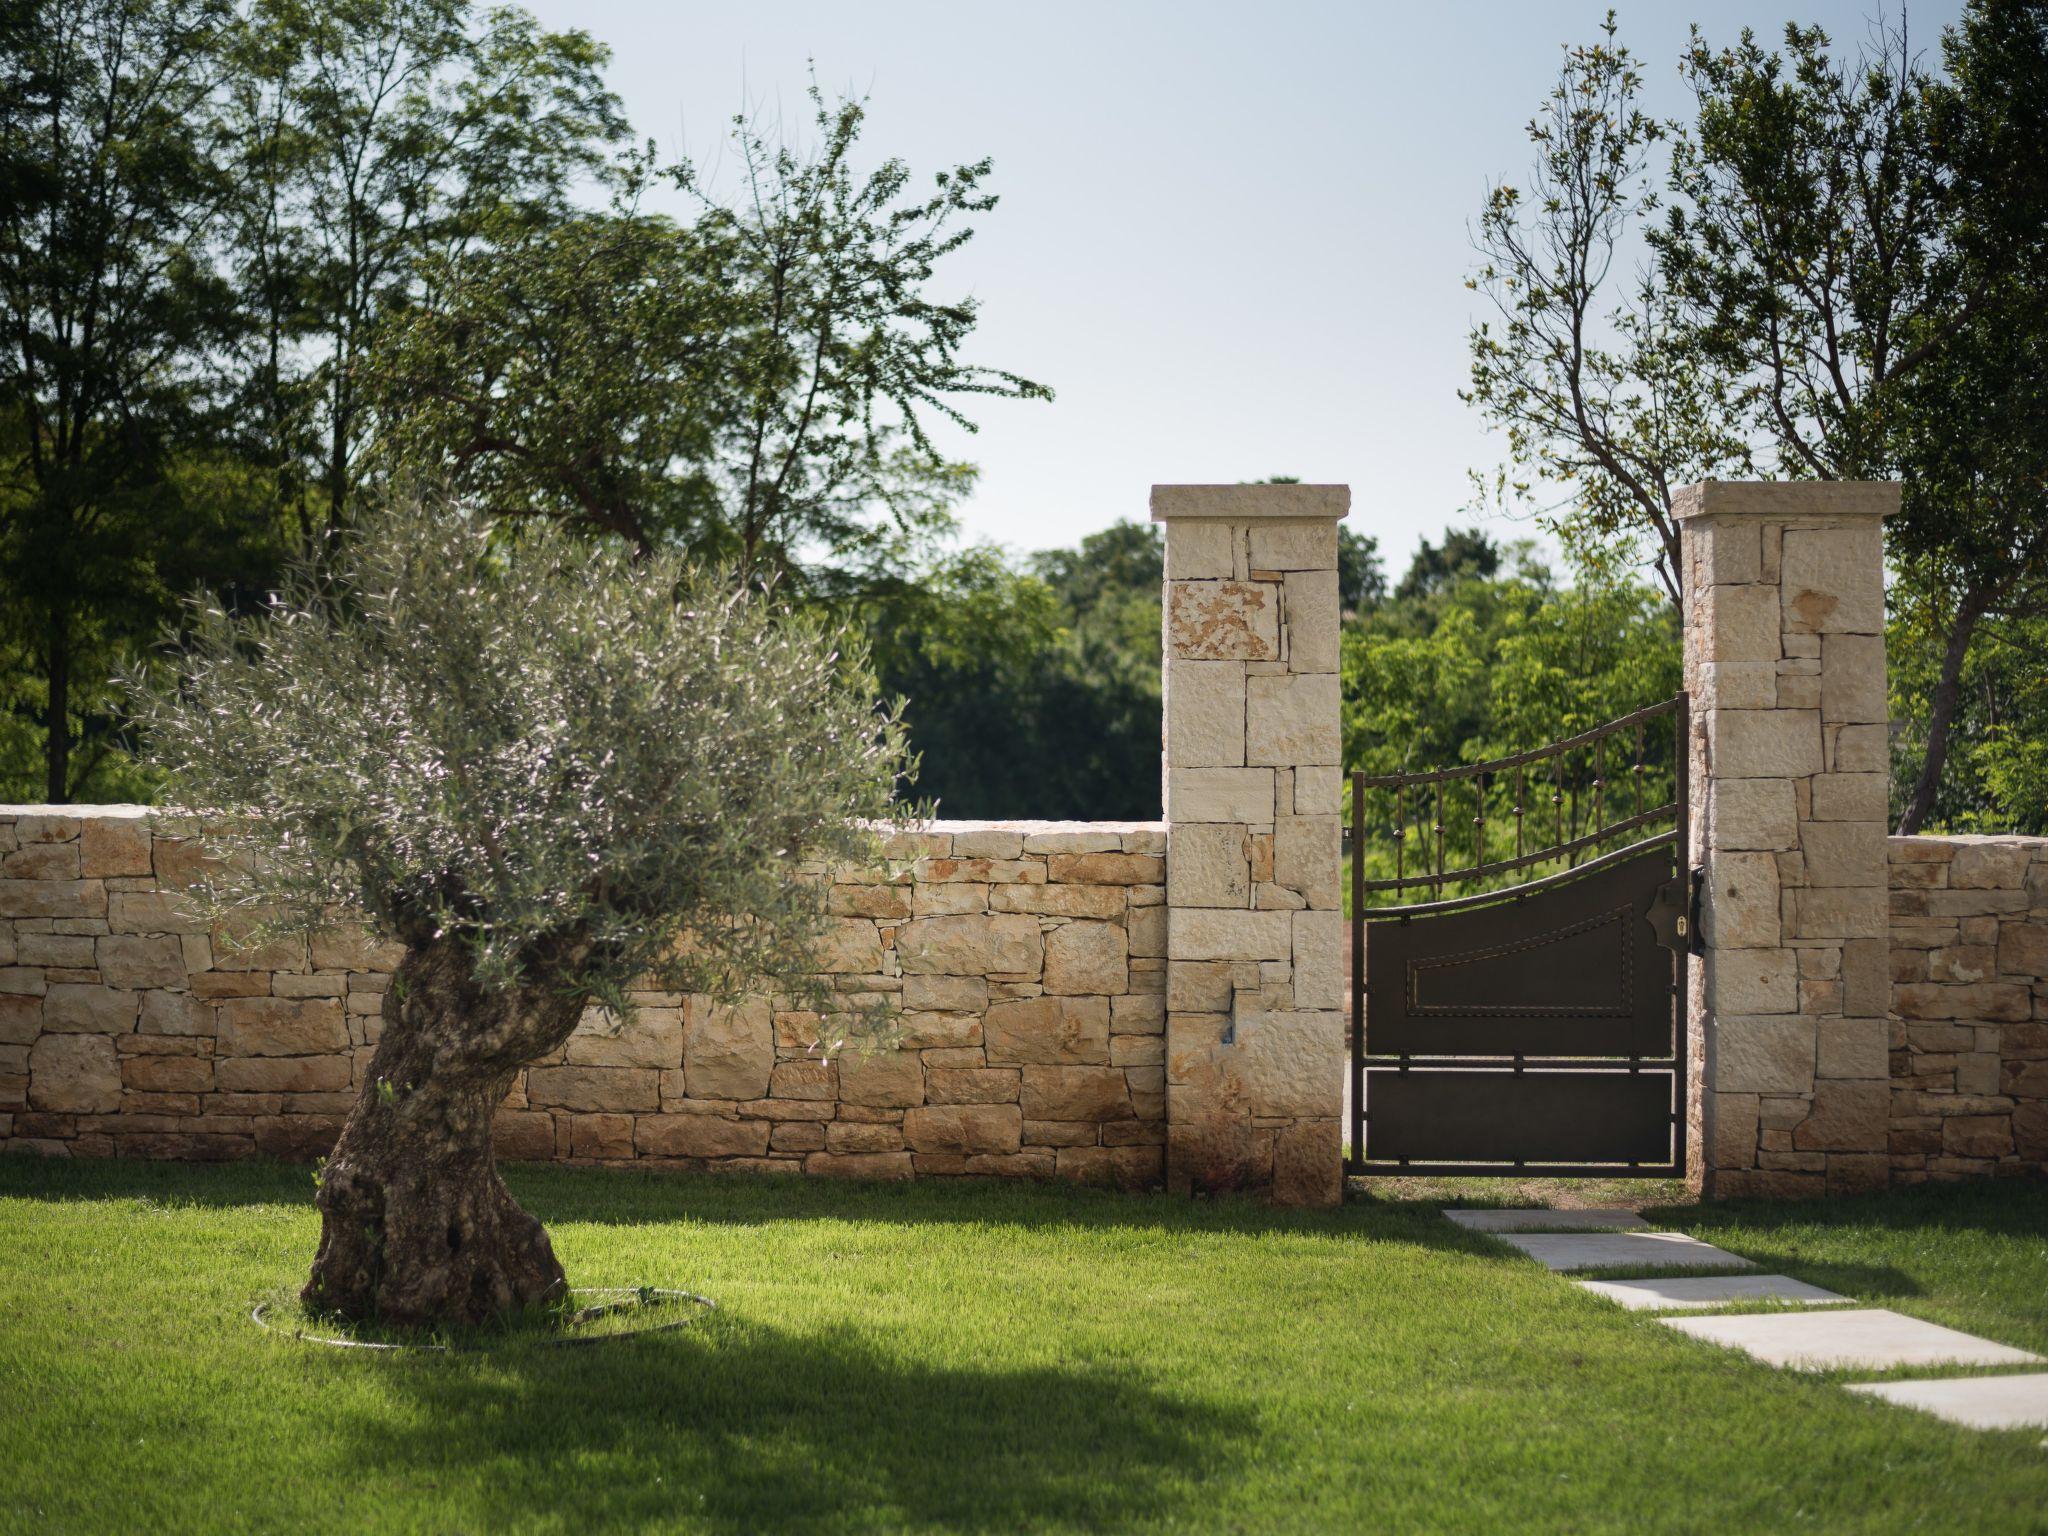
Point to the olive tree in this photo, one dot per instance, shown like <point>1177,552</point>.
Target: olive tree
<point>552,773</point>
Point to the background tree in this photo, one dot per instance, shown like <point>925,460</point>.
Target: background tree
<point>110,196</point>
<point>549,771</point>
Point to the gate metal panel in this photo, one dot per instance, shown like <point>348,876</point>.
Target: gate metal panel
<point>1540,1028</point>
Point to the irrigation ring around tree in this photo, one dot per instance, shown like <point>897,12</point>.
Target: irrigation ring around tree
<point>630,1299</point>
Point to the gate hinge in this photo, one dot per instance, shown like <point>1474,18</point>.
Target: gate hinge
<point>1675,913</point>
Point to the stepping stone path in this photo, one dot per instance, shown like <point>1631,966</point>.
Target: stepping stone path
<point>1976,1402</point>
<point>1665,1295</point>
<point>1833,1338</point>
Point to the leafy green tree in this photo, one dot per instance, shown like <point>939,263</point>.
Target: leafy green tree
<point>377,137</point>
<point>1465,552</point>
<point>754,384</point>
<point>552,773</point>
<point>110,194</point>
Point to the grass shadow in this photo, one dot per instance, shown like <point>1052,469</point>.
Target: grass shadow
<point>741,1427</point>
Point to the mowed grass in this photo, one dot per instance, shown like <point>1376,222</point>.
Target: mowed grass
<point>978,1358</point>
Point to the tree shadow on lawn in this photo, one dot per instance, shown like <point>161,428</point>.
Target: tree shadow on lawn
<point>745,1427</point>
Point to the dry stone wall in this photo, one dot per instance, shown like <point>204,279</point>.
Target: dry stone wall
<point>1027,962</point>
<point>1969,1013</point>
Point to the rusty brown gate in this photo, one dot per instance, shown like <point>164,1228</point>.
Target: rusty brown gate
<point>1534,1027</point>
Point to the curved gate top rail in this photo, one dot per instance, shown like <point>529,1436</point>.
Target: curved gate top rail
<point>1533,1028</point>
<point>1582,816</point>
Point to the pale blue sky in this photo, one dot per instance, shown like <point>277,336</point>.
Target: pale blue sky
<point>1232,237</point>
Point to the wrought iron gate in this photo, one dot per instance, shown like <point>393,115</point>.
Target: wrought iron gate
<point>1534,1028</point>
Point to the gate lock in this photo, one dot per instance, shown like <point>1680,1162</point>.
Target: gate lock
<point>1674,913</point>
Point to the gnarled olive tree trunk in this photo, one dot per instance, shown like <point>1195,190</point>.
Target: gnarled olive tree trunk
<point>416,1225</point>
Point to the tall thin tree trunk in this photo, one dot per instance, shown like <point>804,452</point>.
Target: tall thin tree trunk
<point>416,1225</point>
<point>57,743</point>
<point>1941,713</point>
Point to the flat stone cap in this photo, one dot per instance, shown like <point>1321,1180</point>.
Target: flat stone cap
<point>1250,503</point>
<point>1786,499</point>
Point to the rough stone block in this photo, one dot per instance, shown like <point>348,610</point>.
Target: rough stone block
<point>1222,621</point>
<point>1753,981</point>
<point>1833,579</point>
<point>1047,1031</point>
<point>1291,1064</point>
<point>1738,623</point>
<point>970,946</point>
<point>74,1074</point>
<point>728,1052</point>
<point>1292,546</point>
<point>1242,795</point>
<point>592,1090</point>
<point>1745,685</point>
<point>1989,866</point>
<point>1308,1164</point>
<point>1844,853</point>
<point>1197,934</point>
<point>1205,702</point>
<point>1764,743</point>
<point>968,1128</point>
<point>114,846</point>
<point>85,1009</point>
<point>1308,857</point>
<point>1766,1055</point>
<point>1852,680</point>
<point>1741,901</point>
<point>1126,868</point>
<point>1084,958</point>
<point>881,1079</point>
<point>1208,866</point>
<point>1846,1117</point>
<point>699,1136</point>
<point>1202,550</point>
<point>1309,611</point>
<point>1836,913</point>
<point>1751,814</point>
<point>1850,797</point>
<point>1319,963</point>
<point>282,1074</point>
<point>1292,719</point>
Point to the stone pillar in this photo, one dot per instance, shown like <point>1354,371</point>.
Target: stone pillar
<point>1784,658</point>
<point>1255,981</point>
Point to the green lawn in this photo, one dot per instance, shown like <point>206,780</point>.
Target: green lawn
<point>984,1358</point>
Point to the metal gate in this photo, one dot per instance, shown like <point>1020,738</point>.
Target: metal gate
<point>1533,1028</point>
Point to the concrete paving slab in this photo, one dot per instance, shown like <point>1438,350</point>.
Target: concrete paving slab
<point>1638,1250</point>
<point>1853,1338</point>
<point>1975,1402</point>
<point>1590,1220</point>
<point>1703,1291</point>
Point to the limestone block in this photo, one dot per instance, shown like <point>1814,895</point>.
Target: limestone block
<point>1771,1054</point>
<point>175,1013</point>
<point>1866,980</point>
<point>1833,579</point>
<point>1755,981</point>
<point>114,846</point>
<point>1308,856</point>
<point>1852,680</point>
<point>859,1165</point>
<point>1850,797</point>
<point>1291,720</point>
<point>1291,1063</point>
<point>1842,912</point>
<point>1318,790</point>
<point>802,1079</point>
<point>988,843</point>
<point>970,946</point>
<point>961,994</point>
<point>1076,1093</point>
<point>1989,866</point>
<point>152,912</point>
<point>1739,623</point>
<point>74,1074</point>
<point>939,1030</point>
<point>1214,794</point>
<point>1755,814</point>
<point>1087,958</point>
<point>728,1052</point>
<point>75,1008</point>
<point>21,1018</point>
<point>1853,1048</point>
<point>1289,546</point>
<point>967,1128</point>
<point>594,1090</point>
<point>1309,609</point>
<point>975,1085</point>
<point>650,1037</point>
<point>1106,868</point>
<point>1097,901</point>
<point>1198,986</point>
<point>1844,853</point>
<point>1042,1031</point>
<point>1197,550</point>
<point>842,1136</point>
<point>2023,949</point>
<point>1308,1163</point>
<point>1198,934</point>
<point>189,1074</point>
<point>1740,905</point>
<point>850,946</point>
<point>130,960</point>
<point>1990,1001</point>
<point>699,1136</point>
<point>41,861</point>
<point>1319,969</point>
<point>1730,553</point>
<point>1222,621</point>
<point>1741,685</point>
<point>1858,749</point>
<point>1847,1117</point>
<point>881,1079</point>
<point>1207,866</point>
<point>282,1074</point>
<point>1147,929</point>
<point>350,948</point>
<point>523,1135</point>
<point>1205,703</point>
<point>88,898</point>
<point>1763,743</point>
<point>1138,1014</point>
<point>1731,1142</point>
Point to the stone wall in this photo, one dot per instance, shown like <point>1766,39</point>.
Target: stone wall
<point>1969,1014</point>
<point>1028,960</point>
